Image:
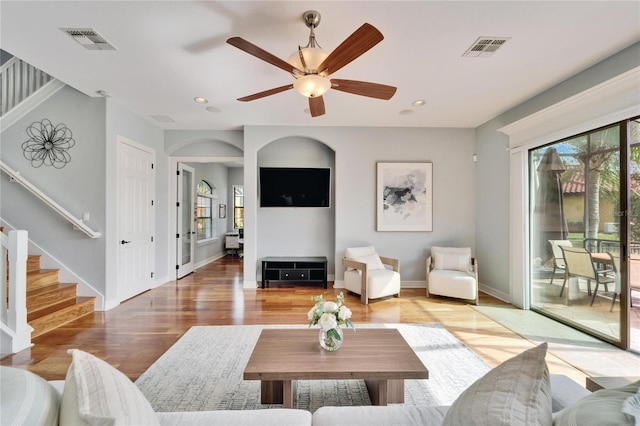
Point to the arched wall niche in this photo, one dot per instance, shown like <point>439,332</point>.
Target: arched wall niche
<point>296,231</point>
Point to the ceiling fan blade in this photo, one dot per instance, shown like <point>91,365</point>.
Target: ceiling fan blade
<point>266,93</point>
<point>363,39</point>
<point>316,106</point>
<point>363,88</point>
<point>259,53</point>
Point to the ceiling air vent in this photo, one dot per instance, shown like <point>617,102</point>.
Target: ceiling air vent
<point>485,46</point>
<point>89,38</point>
<point>163,119</point>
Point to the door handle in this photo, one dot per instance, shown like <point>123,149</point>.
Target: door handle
<point>124,242</point>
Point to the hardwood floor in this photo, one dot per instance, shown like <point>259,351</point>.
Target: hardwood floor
<point>137,332</point>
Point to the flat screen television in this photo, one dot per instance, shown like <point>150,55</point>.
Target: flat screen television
<point>294,187</point>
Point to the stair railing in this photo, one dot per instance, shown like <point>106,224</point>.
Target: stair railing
<point>22,88</point>
<point>76,222</point>
<point>19,80</point>
<point>16,333</point>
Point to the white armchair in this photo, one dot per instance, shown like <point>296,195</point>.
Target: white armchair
<point>367,275</point>
<point>452,272</point>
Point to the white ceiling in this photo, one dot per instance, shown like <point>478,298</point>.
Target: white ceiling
<point>169,52</point>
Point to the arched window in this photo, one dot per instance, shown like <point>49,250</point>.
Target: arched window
<point>205,220</point>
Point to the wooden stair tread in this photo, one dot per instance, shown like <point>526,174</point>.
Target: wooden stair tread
<point>51,304</point>
<point>46,297</point>
<point>81,307</point>
<point>41,278</point>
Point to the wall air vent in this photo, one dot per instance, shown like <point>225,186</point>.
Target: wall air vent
<point>89,38</point>
<point>485,46</point>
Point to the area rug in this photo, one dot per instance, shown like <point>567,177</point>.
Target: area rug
<point>203,371</point>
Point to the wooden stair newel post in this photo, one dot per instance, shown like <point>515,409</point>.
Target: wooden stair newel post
<point>17,301</point>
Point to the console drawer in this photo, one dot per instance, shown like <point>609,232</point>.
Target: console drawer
<point>294,274</point>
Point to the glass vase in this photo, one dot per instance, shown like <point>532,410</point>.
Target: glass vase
<point>332,339</point>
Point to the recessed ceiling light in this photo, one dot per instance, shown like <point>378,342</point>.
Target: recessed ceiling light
<point>200,100</point>
<point>406,112</point>
<point>418,102</point>
<point>213,109</point>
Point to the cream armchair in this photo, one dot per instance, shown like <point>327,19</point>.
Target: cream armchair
<point>452,272</point>
<point>367,275</point>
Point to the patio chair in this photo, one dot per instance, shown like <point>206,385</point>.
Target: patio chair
<point>558,258</point>
<point>615,261</point>
<point>579,264</point>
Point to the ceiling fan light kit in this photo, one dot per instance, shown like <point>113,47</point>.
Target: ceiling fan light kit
<point>311,66</point>
<point>312,85</point>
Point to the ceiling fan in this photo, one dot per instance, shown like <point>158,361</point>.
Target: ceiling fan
<point>311,66</point>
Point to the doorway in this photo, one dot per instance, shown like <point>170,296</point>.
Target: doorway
<point>584,204</point>
<point>135,218</point>
<point>185,221</point>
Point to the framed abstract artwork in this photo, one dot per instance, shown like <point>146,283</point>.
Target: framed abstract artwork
<point>222,211</point>
<point>405,197</point>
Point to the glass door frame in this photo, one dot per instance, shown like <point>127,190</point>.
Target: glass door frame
<point>185,215</point>
<point>624,148</point>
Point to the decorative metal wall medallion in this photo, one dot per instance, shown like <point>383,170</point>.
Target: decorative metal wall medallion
<point>48,144</point>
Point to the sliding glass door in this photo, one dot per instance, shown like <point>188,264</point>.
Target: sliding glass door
<point>581,237</point>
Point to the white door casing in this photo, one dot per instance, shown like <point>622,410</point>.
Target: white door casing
<point>185,221</point>
<point>136,218</point>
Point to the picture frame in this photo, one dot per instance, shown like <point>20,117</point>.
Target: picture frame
<point>404,200</point>
<point>222,211</point>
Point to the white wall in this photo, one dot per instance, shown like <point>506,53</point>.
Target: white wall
<point>494,234</point>
<point>357,150</point>
<point>78,187</point>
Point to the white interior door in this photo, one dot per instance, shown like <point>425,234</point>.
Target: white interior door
<point>185,224</point>
<point>136,218</point>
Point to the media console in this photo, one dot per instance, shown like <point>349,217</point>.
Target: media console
<point>312,268</point>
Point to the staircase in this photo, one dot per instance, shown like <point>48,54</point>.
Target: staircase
<point>51,304</point>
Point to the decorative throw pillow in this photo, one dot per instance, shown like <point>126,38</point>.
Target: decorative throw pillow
<point>27,399</point>
<point>366,254</point>
<point>372,260</point>
<point>517,392</point>
<point>451,258</point>
<point>95,393</point>
<point>619,406</point>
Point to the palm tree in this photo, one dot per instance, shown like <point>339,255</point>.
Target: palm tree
<point>597,152</point>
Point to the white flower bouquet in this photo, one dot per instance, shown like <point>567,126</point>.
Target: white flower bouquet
<point>329,316</point>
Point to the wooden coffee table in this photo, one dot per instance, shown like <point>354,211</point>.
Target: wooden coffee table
<point>379,356</point>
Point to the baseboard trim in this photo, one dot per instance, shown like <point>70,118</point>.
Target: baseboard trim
<point>209,260</point>
<point>495,293</point>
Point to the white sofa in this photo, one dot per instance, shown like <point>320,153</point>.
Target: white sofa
<point>519,391</point>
